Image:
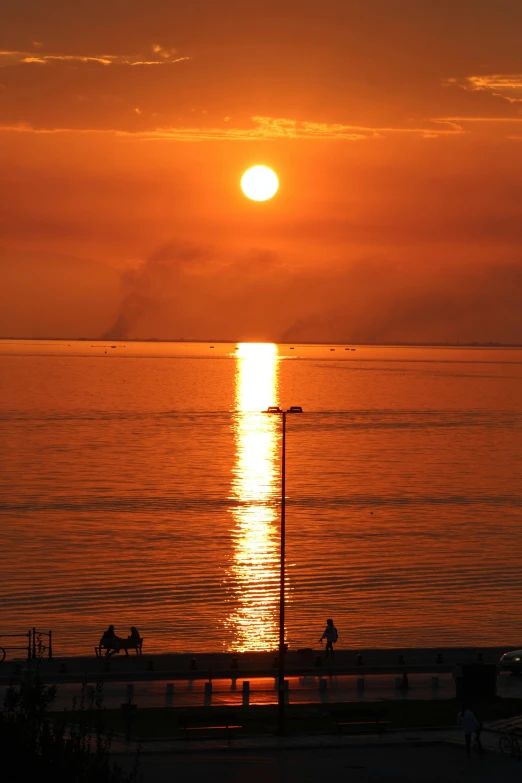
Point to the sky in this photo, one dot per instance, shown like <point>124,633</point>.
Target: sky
<point>395,128</point>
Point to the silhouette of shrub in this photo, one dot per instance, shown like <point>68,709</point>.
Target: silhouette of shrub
<point>66,747</point>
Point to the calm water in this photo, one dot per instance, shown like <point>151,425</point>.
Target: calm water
<point>140,486</point>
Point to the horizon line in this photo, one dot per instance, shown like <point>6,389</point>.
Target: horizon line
<point>401,343</point>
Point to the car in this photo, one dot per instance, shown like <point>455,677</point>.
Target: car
<point>511,662</point>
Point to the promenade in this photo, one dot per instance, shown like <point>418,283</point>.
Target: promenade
<point>178,665</point>
<point>218,678</point>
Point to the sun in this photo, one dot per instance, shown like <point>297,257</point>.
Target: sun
<point>259,183</point>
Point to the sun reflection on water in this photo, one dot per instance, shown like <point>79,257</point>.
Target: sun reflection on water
<point>254,570</point>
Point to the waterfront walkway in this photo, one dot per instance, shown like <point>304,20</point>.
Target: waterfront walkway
<point>416,756</point>
<point>169,680</point>
<point>414,762</point>
<point>178,665</point>
<point>414,736</point>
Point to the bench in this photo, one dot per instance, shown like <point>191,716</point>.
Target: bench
<point>190,724</point>
<point>117,646</point>
<point>360,722</point>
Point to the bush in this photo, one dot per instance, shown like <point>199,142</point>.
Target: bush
<point>61,749</point>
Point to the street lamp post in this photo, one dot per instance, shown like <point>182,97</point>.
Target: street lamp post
<point>281,661</point>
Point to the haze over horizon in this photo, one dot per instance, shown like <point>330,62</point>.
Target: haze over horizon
<point>395,130</point>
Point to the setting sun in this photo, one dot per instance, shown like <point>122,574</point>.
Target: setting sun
<point>259,183</point>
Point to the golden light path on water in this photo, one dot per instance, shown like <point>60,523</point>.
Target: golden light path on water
<point>254,571</point>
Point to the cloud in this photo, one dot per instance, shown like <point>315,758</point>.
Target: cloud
<point>507,86</point>
<point>459,121</point>
<point>166,57</point>
<point>46,58</point>
<point>261,129</point>
<point>274,127</point>
<point>155,62</point>
<point>24,127</point>
<point>165,53</point>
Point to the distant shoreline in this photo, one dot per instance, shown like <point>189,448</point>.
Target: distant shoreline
<point>183,341</point>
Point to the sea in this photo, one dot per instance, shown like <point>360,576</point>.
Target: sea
<point>140,484</point>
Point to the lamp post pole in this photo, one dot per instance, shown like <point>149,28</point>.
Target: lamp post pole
<point>281,659</point>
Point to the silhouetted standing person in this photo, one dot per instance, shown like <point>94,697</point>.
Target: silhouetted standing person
<point>331,636</point>
<point>470,725</point>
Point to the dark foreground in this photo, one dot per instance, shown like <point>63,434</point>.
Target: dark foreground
<point>426,764</point>
<point>164,723</point>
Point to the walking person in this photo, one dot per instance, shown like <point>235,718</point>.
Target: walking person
<point>331,636</point>
<point>470,725</point>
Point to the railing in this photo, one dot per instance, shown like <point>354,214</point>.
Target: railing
<point>38,647</point>
<point>34,645</point>
<point>27,646</point>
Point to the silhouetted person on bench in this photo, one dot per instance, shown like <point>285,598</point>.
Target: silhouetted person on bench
<point>134,635</point>
<point>133,641</point>
<point>110,641</point>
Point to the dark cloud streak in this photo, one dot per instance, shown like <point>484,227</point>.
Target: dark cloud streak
<point>152,282</point>
<point>372,299</point>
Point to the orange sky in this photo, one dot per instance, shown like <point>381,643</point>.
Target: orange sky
<point>395,129</point>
